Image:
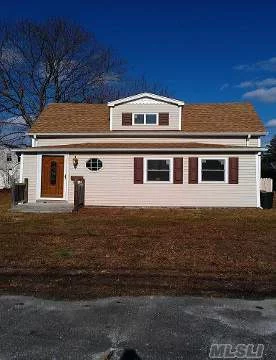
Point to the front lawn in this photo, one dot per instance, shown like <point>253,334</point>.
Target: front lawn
<point>122,251</point>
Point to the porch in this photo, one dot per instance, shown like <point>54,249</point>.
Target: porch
<point>49,206</point>
<point>19,199</point>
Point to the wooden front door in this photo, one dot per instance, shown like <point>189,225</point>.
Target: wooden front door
<point>52,176</point>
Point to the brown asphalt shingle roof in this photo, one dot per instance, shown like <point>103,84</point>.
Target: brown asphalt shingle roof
<point>68,118</point>
<point>94,118</point>
<point>232,117</point>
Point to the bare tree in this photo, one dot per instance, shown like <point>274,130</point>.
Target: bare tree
<point>125,87</point>
<point>53,61</point>
<point>13,132</point>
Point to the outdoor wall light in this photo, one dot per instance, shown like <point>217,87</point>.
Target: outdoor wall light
<point>75,162</point>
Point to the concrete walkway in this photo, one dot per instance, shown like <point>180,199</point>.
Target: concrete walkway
<point>157,328</point>
<point>44,207</point>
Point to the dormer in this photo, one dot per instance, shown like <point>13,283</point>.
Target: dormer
<point>145,112</point>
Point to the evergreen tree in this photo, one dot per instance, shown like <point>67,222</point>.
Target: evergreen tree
<point>271,149</point>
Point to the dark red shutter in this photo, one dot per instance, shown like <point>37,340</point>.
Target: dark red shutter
<point>178,170</point>
<point>126,119</point>
<point>138,170</point>
<point>233,170</point>
<point>163,119</point>
<point>193,170</point>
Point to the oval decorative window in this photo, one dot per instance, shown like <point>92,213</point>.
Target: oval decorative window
<point>94,164</point>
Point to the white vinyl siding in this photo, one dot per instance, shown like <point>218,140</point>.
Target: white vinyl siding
<point>30,172</point>
<point>173,111</point>
<point>114,185</point>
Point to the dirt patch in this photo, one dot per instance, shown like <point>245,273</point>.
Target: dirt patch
<point>116,251</point>
<point>88,286</point>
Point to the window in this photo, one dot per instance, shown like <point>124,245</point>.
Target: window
<point>151,119</point>
<point>139,119</point>
<point>158,170</point>
<point>9,157</point>
<point>145,119</point>
<point>213,170</point>
<point>94,164</point>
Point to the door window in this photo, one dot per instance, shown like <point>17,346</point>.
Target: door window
<point>53,173</point>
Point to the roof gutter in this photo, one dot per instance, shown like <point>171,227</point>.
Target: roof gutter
<point>148,134</point>
<point>140,150</point>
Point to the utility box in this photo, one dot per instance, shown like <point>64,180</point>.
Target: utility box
<point>266,200</point>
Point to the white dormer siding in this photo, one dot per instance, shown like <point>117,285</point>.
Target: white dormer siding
<point>145,104</point>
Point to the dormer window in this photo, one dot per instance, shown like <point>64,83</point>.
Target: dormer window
<point>145,119</point>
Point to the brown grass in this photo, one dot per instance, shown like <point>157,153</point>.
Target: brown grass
<point>114,251</point>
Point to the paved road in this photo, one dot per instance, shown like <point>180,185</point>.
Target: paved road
<point>157,327</point>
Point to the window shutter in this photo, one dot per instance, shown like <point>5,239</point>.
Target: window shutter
<point>163,119</point>
<point>138,170</point>
<point>193,170</point>
<point>233,170</point>
<point>126,119</point>
<point>178,170</point>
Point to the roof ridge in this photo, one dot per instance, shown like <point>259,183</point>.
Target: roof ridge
<point>222,103</point>
<point>229,103</point>
<point>71,103</point>
<point>202,103</point>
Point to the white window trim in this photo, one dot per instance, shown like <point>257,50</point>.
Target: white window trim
<point>146,170</point>
<point>146,113</point>
<point>226,166</point>
<point>94,171</point>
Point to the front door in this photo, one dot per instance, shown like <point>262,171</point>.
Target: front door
<point>52,176</point>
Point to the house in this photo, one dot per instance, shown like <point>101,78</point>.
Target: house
<point>146,150</point>
<point>9,167</point>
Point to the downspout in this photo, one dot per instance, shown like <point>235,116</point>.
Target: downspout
<point>21,167</point>
<point>258,178</point>
<point>247,139</point>
<point>34,141</point>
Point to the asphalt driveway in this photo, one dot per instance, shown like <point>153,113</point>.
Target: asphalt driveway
<point>156,327</point>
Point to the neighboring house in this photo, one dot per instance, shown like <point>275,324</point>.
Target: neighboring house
<point>146,150</point>
<point>9,168</point>
<point>269,171</point>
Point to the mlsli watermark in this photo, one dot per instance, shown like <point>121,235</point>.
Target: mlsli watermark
<point>239,351</point>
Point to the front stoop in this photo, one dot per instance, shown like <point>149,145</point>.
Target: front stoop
<point>48,206</point>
